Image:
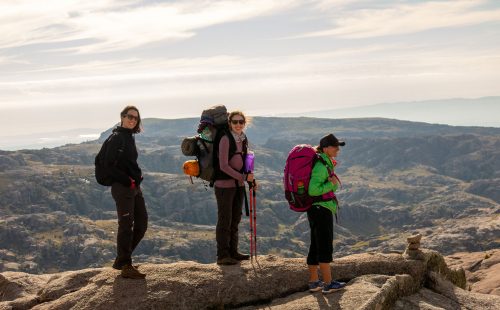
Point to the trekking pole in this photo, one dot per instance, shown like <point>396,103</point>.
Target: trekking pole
<point>254,200</point>
<point>250,190</point>
<point>248,160</point>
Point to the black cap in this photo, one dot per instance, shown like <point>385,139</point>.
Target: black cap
<point>330,140</point>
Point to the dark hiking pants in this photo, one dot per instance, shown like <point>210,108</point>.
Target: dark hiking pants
<point>229,207</point>
<point>321,224</point>
<point>132,222</point>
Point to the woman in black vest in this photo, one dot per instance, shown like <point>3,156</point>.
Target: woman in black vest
<point>229,189</point>
<point>121,158</point>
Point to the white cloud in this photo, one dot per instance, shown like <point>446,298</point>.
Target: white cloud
<point>30,22</point>
<point>263,77</point>
<point>115,25</point>
<point>45,74</point>
<point>404,18</point>
<point>4,60</point>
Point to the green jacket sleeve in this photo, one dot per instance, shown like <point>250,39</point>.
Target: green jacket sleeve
<point>319,184</point>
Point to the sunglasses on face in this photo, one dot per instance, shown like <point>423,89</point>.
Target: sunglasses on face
<point>131,117</point>
<point>236,121</point>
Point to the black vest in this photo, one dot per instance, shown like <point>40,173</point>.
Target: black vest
<point>218,174</point>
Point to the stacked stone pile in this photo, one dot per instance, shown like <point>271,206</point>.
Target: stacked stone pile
<point>413,248</point>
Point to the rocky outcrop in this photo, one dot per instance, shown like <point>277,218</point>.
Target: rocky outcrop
<point>441,294</point>
<point>375,281</point>
<point>363,292</point>
<point>482,270</point>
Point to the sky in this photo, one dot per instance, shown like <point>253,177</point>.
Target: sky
<point>74,64</point>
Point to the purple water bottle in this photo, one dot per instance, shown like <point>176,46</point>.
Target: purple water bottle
<point>249,160</point>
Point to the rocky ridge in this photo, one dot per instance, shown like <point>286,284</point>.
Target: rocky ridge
<point>375,281</point>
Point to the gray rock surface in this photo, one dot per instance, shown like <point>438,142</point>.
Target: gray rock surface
<point>375,281</point>
<point>360,293</point>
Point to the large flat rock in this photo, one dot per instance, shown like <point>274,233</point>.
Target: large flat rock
<point>358,294</point>
<point>376,281</point>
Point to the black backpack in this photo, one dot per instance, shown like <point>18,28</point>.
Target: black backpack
<point>102,169</point>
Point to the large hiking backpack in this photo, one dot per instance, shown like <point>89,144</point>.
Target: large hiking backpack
<point>102,169</point>
<point>213,124</point>
<point>297,175</point>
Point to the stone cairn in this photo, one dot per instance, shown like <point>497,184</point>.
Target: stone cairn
<point>413,248</point>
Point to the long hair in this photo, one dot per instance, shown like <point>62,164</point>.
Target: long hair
<point>138,127</point>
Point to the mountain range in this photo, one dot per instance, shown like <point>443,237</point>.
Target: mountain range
<point>456,112</point>
<point>482,111</point>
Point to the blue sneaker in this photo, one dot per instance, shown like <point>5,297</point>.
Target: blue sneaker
<point>316,286</point>
<point>332,287</point>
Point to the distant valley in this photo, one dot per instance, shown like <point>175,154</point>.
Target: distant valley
<point>399,177</point>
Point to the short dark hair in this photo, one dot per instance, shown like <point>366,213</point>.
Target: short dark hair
<point>138,127</point>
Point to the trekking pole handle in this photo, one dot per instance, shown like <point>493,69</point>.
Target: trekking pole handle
<point>252,184</point>
<point>247,174</point>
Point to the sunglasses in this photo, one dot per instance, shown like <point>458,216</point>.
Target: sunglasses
<point>131,117</point>
<point>236,121</point>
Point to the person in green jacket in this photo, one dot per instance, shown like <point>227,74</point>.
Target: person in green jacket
<point>320,216</point>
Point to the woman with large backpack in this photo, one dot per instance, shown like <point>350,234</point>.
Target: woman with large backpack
<point>324,182</point>
<point>126,177</point>
<point>229,187</point>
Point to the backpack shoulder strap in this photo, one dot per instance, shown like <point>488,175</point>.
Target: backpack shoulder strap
<point>221,131</point>
<point>122,140</point>
<point>121,149</point>
<point>244,149</point>
<point>232,144</point>
<point>218,136</point>
<point>330,171</point>
<point>319,158</point>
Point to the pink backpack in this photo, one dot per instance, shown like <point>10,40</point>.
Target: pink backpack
<point>297,175</point>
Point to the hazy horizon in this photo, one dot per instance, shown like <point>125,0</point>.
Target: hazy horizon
<point>432,111</point>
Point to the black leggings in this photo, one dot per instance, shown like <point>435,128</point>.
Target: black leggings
<point>321,224</point>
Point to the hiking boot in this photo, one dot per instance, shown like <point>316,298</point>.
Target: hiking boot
<point>316,286</point>
<point>128,271</point>
<point>117,267</point>
<point>227,261</point>
<point>332,287</point>
<point>239,256</point>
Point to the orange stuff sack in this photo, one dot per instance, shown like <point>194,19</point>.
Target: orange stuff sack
<point>191,168</point>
